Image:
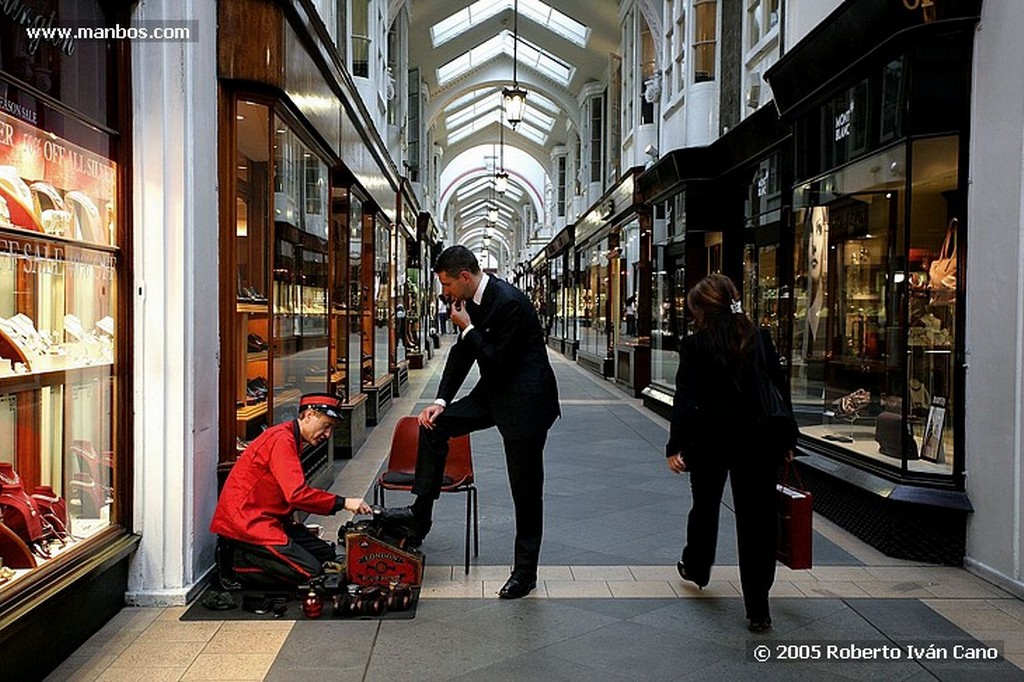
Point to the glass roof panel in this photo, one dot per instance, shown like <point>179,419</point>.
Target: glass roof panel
<point>540,12</point>
<point>528,55</point>
<point>478,93</point>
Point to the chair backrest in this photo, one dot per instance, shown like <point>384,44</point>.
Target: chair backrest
<point>404,442</point>
<point>404,446</point>
<point>459,465</point>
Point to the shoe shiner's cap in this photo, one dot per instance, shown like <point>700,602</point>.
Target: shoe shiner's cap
<point>324,403</point>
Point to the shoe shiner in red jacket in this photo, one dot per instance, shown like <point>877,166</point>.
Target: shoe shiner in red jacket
<point>259,543</point>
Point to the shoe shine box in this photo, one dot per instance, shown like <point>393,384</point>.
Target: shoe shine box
<point>372,561</point>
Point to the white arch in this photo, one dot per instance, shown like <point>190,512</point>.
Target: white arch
<point>523,169</point>
<point>496,74</point>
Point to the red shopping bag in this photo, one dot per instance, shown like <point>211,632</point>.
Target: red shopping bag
<point>796,511</point>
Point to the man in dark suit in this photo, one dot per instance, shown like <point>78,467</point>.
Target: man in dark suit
<point>500,332</point>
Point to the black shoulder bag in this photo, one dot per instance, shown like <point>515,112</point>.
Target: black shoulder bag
<point>776,427</point>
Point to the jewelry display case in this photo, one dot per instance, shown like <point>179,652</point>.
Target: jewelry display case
<point>58,342</point>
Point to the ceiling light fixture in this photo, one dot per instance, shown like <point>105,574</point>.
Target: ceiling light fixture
<point>500,176</point>
<point>515,97</point>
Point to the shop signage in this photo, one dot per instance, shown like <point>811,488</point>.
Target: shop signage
<point>23,15</point>
<point>927,8</point>
<point>44,258</point>
<point>18,111</point>
<point>842,122</point>
<point>44,156</point>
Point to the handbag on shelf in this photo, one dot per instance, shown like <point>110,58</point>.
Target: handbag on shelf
<point>796,513</point>
<point>942,270</point>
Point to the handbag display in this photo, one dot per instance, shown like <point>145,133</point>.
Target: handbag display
<point>795,513</point>
<point>894,437</point>
<point>942,270</point>
<point>776,426</point>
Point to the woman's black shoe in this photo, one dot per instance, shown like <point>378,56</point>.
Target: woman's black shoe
<point>760,624</point>
<point>681,567</point>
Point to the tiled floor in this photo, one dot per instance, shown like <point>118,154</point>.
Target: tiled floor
<point>608,605</point>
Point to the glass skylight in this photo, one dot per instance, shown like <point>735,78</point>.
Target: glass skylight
<point>483,120</point>
<point>535,10</point>
<point>514,192</point>
<point>529,55</point>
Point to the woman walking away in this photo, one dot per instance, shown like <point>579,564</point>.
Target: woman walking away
<point>714,435</point>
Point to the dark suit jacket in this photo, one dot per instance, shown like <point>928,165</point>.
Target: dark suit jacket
<point>711,415</point>
<point>516,382</point>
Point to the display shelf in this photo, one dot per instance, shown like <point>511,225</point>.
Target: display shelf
<point>252,308</point>
<point>15,233</point>
<point>16,383</point>
<point>250,412</point>
<point>262,356</point>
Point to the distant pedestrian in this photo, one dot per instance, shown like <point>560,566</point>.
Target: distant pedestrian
<point>442,315</point>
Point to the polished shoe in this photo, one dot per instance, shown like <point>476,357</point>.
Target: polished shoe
<point>514,588</point>
<point>404,522</point>
<point>681,567</point>
<point>760,624</point>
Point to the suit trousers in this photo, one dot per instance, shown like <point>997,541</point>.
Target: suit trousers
<point>753,491</point>
<point>524,461</point>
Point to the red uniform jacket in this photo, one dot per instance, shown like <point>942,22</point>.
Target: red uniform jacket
<point>264,487</point>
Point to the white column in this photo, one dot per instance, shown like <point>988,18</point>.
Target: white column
<point>994,405</point>
<point>175,323</point>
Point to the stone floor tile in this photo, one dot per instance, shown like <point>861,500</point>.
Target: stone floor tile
<point>729,573</point>
<point>1008,641</point>
<point>601,573</point>
<point>554,573</point>
<point>979,620</point>
<point>80,668</point>
<point>229,667</point>
<point>1016,659</point>
<point>107,644</point>
<point>157,654</point>
<point>948,605</point>
<point>252,641</point>
<point>479,573</point>
<point>786,573</point>
<point>577,589</point>
<point>781,588</point>
<point>654,572</point>
<point>641,589</point>
<point>833,589</point>
<point>433,574</point>
<point>179,631</point>
<point>240,627</point>
<point>971,589</point>
<point>880,589</point>
<point>1012,606</point>
<point>901,573</point>
<point>132,618</point>
<point>460,590</point>
<point>141,674</point>
<point>172,613</point>
<point>840,573</point>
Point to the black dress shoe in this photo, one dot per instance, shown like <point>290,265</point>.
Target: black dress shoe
<point>685,575</point>
<point>404,522</point>
<point>760,624</point>
<point>514,588</point>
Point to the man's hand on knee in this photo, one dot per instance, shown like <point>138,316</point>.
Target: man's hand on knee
<point>429,414</point>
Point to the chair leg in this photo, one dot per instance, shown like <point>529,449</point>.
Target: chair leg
<point>376,493</point>
<point>476,522</point>
<point>469,505</point>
